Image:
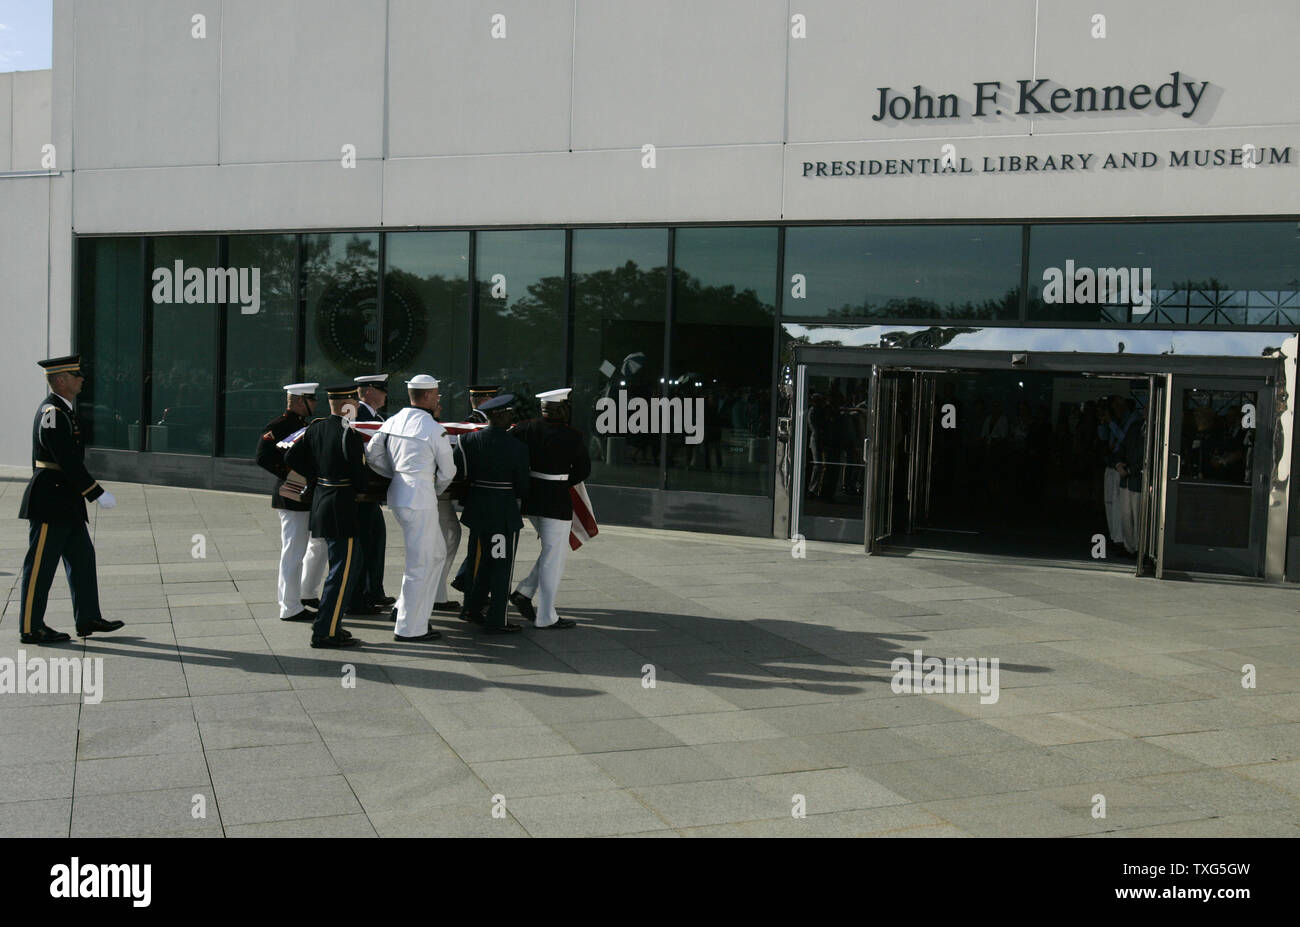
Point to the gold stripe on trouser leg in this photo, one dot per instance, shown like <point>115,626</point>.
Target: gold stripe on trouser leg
<point>338,606</point>
<point>34,578</point>
<point>478,555</point>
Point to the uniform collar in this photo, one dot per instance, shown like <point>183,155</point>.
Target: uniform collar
<point>367,407</point>
<point>65,402</point>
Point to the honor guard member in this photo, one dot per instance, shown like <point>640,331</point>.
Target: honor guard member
<point>557,459</point>
<point>55,506</point>
<point>477,396</point>
<point>498,476</point>
<point>369,598</point>
<point>413,450</point>
<point>332,455</point>
<point>302,558</point>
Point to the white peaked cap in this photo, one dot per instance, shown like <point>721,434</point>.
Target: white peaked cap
<point>422,381</point>
<point>371,378</point>
<point>302,389</point>
<point>555,395</point>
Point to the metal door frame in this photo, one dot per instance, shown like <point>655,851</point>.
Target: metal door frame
<point>1258,540</point>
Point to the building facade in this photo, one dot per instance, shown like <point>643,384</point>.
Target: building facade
<point>885,258</point>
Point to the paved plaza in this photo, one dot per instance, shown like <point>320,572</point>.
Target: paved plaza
<point>772,692</point>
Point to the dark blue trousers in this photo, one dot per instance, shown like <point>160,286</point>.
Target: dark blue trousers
<point>48,543</point>
<point>372,538</point>
<point>490,576</point>
<point>346,563</point>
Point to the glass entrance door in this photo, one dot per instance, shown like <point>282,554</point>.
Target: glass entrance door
<point>833,468</point>
<point>1219,445</point>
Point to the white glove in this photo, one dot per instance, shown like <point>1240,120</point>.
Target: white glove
<point>107,500</point>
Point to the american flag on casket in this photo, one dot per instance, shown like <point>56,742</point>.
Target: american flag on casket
<point>583,527</point>
<point>365,429</point>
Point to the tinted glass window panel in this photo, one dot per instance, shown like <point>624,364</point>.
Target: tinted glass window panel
<point>620,290</point>
<point>521,313</point>
<point>724,301</point>
<point>260,345</point>
<point>1201,273</point>
<point>184,377</point>
<point>903,272</point>
<point>342,280</point>
<point>426,316</point>
<point>110,307</point>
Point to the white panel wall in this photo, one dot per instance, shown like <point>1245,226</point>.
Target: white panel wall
<point>1247,52</point>
<point>853,49</point>
<point>679,72</point>
<point>24,242</point>
<point>455,89</point>
<point>300,79</point>
<point>6,120</point>
<point>146,90</point>
<point>545,125</point>
<point>31,119</point>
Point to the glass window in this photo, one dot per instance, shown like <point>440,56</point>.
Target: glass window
<point>521,313</point>
<point>426,316</point>
<point>260,336</point>
<point>341,273</point>
<point>724,294</point>
<point>1166,273</point>
<point>184,300</point>
<point>110,307</point>
<point>903,272</point>
<point>620,290</point>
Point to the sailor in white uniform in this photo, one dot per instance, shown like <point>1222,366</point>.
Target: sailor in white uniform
<point>557,459</point>
<point>413,449</point>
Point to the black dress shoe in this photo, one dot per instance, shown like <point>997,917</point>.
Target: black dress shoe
<point>524,604</point>
<point>559,625</point>
<point>369,611</point>
<point>45,635</point>
<point>508,628</point>
<point>386,600</point>
<point>99,625</point>
<point>336,642</point>
<point>474,617</point>
<point>429,635</point>
<point>457,583</point>
<point>303,615</point>
<point>446,606</point>
<point>311,603</point>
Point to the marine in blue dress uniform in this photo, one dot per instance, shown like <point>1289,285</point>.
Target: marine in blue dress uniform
<point>497,466</point>
<point>333,456</point>
<point>55,505</point>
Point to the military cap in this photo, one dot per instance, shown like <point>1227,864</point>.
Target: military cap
<point>70,363</point>
<point>302,389</point>
<point>422,381</point>
<point>346,391</point>
<point>497,403</point>
<point>377,380</point>
<point>555,395</point>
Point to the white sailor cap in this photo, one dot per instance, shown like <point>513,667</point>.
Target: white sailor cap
<point>555,395</point>
<point>302,389</point>
<point>377,380</point>
<point>422,381</point>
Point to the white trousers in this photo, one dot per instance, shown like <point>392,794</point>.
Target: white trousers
<point>424,560</point>
<point>544,578</point>
<point>449,525</point>
<point>303,562</point>
<point>1130,506</point>
<point>1113,497</point>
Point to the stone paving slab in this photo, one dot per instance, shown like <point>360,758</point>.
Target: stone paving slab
<point>772,685</point>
